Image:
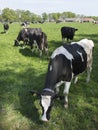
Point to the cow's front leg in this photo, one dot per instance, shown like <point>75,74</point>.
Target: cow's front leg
<point>76,79</point>
<point>58,85</point>
<point>32,49</point>
<point>63,40</point>
<point>46,51</point>
<point>66,92</point>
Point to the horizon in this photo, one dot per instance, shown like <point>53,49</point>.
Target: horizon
<point>87,8</point>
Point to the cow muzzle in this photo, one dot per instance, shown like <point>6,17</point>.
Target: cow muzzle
<point>44,118</point>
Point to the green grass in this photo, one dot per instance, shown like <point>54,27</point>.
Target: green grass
<point>21,71</point>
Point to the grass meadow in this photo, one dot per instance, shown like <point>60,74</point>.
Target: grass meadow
<point>21,71</point>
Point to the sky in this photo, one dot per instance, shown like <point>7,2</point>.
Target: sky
<point>82,7</point>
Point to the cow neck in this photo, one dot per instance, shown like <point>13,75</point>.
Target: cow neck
<point>17,40</point>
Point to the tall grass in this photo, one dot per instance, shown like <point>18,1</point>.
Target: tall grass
<point>21,71</point>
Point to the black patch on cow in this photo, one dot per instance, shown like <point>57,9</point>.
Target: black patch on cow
<point>61,70</point>
<point>68,32</point>
<point>77,64</point>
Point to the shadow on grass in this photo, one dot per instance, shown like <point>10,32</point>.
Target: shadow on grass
<point>28,108</point>
<point>3,32</point>
<point>17,86</point>
<point>27,101</point>
<point>27,52</point>
<point>93,37</point>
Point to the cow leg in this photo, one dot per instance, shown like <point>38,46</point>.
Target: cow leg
<point>66,92</point>
<point>76,79</point>
<point>40,53</point>
<point>63,40</point>
<point>88,74</point>
<point>31,45</point>
<point>23,46</point>
<point>89,69</point>
<point>40,49</point>
<point>46,51</point>
<point>67,39</point>
<point>57,86</point>
<point>32,48</point>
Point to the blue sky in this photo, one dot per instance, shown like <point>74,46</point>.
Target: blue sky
<point>83,7</point>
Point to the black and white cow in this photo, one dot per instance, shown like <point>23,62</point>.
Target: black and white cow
<point>25,24</point>
<point>68,32</point>
<point>66,62</point>
<point>29,36</point>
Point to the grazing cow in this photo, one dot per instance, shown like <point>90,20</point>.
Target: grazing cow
<point>66,62</point>
<point>25,24</point>
<point>36,35</point>
<point>32,35</point>
<point>68,32</point>
<point>6,27</point>
<point>22,36</point>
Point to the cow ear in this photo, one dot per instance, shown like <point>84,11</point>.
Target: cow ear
<point>34,93</point>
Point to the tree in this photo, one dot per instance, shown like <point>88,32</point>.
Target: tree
<point>44,16</point>
<point>25,15</point>
<point>9,14</point>
<point>35,18</point>
<point>68,15</point>
<point>55,16</point>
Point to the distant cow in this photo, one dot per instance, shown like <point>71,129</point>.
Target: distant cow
<point>25,24</point>
<point>6,27</point>
<point>68,32</point>
<point>36,35</point>
<point>66,62</point>
<point>30,36</point>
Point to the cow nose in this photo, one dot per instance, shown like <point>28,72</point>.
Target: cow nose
<point>44,118</point>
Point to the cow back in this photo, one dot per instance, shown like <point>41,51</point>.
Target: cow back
<point>79,61</point>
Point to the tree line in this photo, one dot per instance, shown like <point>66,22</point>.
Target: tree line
<point>10,15</point>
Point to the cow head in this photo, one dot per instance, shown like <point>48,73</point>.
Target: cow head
<point>46,101</point>
<point>16,43</point>
<point>76,29</point>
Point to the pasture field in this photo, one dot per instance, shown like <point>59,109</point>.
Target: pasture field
<point>21,71</point>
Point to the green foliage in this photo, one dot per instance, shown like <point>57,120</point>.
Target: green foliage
<point>69,15</point>
<point>25,16</point>
<point>44,16</point>
<point>11,15</point>
<point>21,71</point>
